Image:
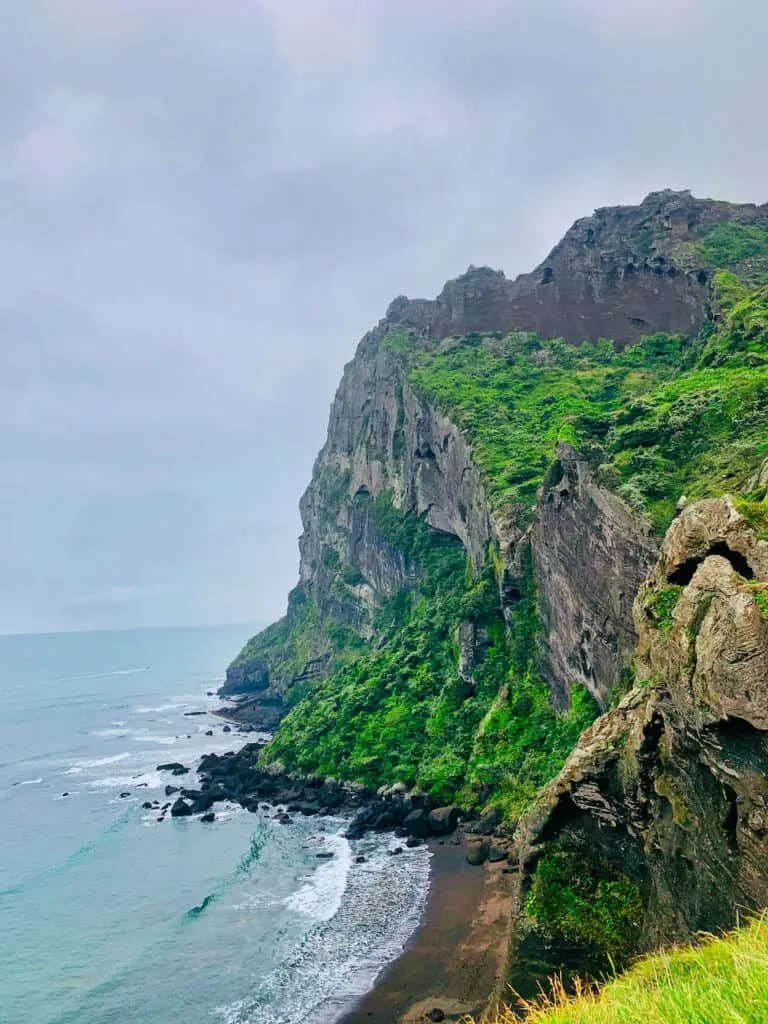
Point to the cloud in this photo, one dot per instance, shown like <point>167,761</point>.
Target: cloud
<point>203,206</point>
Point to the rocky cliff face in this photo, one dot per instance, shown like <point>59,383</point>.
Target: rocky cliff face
<point>591,554</point>
<point>624,272</point>
<point>669,791</point>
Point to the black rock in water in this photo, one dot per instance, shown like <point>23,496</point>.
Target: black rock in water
<point>181,809</point>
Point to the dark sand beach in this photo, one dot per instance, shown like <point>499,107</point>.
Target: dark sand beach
<point>455,957</point>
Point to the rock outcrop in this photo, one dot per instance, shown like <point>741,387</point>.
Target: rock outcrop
<point>622,273</point>
<point>670,789</point>
<point>591,554</point>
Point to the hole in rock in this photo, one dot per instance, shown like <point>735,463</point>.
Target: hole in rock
<point>683,575</point>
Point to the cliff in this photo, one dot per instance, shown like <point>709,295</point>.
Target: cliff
<point>489,501</point>
<point>664,799</point>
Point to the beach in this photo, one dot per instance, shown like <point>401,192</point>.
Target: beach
<point>455,958</point>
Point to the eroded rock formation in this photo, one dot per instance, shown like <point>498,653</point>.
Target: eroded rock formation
<point>670,789</point>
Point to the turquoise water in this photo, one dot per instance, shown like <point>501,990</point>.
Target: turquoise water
<point>106,914</point>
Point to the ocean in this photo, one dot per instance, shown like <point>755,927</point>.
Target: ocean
<point>107,915</point>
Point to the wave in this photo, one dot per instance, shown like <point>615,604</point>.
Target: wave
<point>83,766</point>
<point>99,675</point>
<point>143,709</point>
<point>321,894</point>
<point>147,779</point>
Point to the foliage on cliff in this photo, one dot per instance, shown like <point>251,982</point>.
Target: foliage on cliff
<point>403,713</point>
<point>663,418</point>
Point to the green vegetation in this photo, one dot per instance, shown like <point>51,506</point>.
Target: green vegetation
<point>583,901</point>
<point>284,647</point>
<point>720,981</point>
<point>742,335</point>
<point>661,604</point>
<point>759,592</point>
<point>728,244</point>
<point>756,515</point>
<point>403,713</point>
<point>397,341</point>
<point>662,418</point>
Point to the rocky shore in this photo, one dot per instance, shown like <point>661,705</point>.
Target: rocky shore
<point>238,777</point>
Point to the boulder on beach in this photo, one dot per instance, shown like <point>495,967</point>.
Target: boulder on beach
<point>443,820</point>
<point>478,854</point>
<point>384,822</point>
<point>486,824</point>
<point>416,824</point>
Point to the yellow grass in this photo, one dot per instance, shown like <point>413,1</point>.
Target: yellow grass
<point>720,981</point>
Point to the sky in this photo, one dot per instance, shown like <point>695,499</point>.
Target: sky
<point>205,203</point>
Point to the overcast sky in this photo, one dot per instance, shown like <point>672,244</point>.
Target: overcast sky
<point>205,203</point>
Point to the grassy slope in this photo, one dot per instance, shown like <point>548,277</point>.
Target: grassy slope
<point>722,981</point>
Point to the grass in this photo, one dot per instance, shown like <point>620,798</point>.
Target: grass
<point>726,245</point>
<point>658,419</point>
<point>721,981</point>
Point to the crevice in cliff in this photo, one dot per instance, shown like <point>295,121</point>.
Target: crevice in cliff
<point>684,573</point>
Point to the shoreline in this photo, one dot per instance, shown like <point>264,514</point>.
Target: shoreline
<point>455,957</point>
